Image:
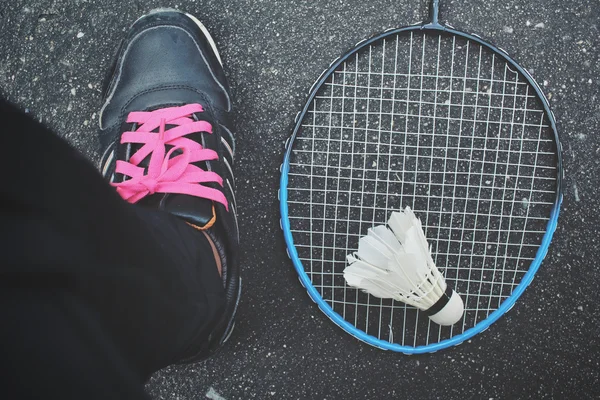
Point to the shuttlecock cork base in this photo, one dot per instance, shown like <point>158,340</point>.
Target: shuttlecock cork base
<point>397,264</point>
<point>448,310</point>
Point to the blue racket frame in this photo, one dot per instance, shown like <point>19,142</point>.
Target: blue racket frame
<point>433,26</point>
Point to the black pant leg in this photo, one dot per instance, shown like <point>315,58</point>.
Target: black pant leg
<point>145,277</point>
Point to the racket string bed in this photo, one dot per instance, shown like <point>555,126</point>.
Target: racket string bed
<point>441,124</point>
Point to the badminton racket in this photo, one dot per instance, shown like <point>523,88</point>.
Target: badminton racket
<point>436,119</point>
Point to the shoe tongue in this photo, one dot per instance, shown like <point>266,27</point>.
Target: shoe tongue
<point>197,211</point>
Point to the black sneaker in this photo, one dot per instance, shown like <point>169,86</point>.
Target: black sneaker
<point>167,138</point>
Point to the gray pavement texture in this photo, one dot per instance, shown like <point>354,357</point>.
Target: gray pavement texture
<point>53,57</point>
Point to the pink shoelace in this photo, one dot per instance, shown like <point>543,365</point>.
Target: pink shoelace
<point>167,173</point>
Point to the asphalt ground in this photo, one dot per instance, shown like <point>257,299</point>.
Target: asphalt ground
<point>53,58</point>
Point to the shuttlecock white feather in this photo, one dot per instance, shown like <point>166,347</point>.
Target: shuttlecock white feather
<point>397,264</point>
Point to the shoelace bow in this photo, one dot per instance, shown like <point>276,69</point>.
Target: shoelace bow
<point>167,173</point>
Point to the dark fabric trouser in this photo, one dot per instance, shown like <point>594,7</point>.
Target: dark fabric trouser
<point>95,294</point>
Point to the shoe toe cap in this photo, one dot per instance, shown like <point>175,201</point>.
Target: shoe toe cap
<point>166,56</point>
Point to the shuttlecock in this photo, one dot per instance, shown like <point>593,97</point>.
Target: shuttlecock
<point>397,264</point>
